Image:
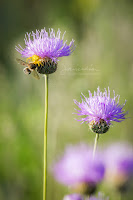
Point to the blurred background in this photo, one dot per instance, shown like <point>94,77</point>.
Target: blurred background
<point>103,34</point>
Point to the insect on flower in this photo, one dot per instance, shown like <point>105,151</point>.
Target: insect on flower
<point>46,67</point>
<point>29,69</point>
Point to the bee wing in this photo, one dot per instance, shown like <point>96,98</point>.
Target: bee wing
<point>21,62</point>
<point>35,74</point>
<point>27,70</point>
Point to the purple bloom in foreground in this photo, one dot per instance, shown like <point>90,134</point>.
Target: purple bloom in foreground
<point>78,170</point>
<point>42,50</point>
<point>73,197</point>
<point>100,197</point>
<point>100,110</point>
<point>119,164</point>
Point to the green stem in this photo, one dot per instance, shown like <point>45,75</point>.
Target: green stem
<point>45,138</point>
<point>95,145</point>
<point>120,196</point>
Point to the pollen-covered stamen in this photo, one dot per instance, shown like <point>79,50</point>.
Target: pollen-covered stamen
<point>35,59</point>
<point>99,127</point>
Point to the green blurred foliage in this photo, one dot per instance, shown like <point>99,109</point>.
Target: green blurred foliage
<point>103,57</point>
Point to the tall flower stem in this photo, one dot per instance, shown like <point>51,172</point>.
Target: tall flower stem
<point>95,144</point>
<point>45,138</point>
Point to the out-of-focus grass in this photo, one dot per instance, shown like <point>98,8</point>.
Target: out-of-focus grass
<point>103,57</point>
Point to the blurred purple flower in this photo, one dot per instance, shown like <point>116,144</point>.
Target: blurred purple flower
<point>100,197</point>
<point>77,167</point>
<point>100,110</point>
<point>41,45</point>
<point>81,197</point>
<point>73,197</point>
<point>118,160</point>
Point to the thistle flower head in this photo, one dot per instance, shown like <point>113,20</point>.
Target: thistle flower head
<point>118,160</point>
<point>43,48</point>
<point>100,110</point>
<point>78,170</point>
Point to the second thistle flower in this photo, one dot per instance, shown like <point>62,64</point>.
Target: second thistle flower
<point>100,110</point>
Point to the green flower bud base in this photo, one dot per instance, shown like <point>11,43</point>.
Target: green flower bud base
<point>99,127</point>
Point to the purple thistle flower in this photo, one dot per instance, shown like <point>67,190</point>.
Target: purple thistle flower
<point>42,50</point>
<point>45,45</point>
<point>100,110</point>
<point>78,170</point>
<point>73,197</point>
<point>118,160</point>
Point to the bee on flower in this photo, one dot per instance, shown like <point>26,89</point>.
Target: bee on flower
<point>42,50</point>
